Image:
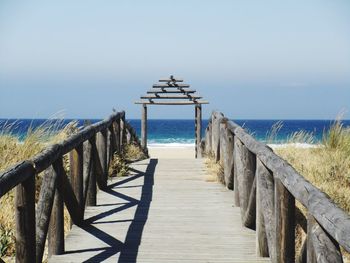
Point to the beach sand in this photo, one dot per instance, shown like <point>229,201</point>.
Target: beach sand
<point>185,152</point>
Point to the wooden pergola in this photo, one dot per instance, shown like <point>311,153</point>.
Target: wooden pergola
<point>172,91</point>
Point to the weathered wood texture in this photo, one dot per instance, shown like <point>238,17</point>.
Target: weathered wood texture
<point>262,247</point>
<point>198,130</point>
<point>56,227</point>
<point>277,185</point>
<point>25,220</point>
<point>170,102</point>
<point>144,127</point>
<point>44,208</point>
<point>35,223</point>
<point>173,93</point>
<point>215,133</point>
<point>284,223</point>
<point>165,212</point>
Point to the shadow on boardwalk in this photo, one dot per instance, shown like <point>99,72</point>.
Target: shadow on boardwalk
<point>129,249</point>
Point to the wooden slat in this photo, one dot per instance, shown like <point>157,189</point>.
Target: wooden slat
<point>165,96</point>
<point>171,85</point>
<point>165,212</point>
<point>331,217</point>
<point>173,102</point>
<point>170,80</point>
<point>165,91</point>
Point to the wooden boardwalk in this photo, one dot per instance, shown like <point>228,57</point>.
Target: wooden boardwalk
<point>165,211</point>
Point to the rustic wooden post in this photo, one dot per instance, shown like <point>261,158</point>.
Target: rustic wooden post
<point>222,140</point>
<point>101,143</point>
<point>285,223</point>
<point>117,135</point>
<point>229,163</point>
<point>25,219</point>
<point>216,119</point>
<point>91,192</point>
<point>122,130</point>
<point>77,175</point>
<point>112,139</point>
<point>208,148</point>
<point>246,164</point>
<point>310,251</point>
<point>236,154</point>
<point>321,247</point>
<point>198,127</point>
<point>144,127</point>
<point>56,229</point>
<point>262,248</point>
<point>44,209</point>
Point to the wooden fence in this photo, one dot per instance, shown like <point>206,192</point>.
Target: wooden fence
<point>90,152</point>
<point>266,187</point>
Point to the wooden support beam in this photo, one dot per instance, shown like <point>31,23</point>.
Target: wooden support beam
<point>285,223</point>
<point>165,96</point>
<point>262,248</point>
<point>246,165</point>
<point>198,127</point>
<point>25,219</point>
<point>56,227</point>
<point>171,80</point>
<point>91,187</point>
<point>227,137</point>
<point>144,127</point>
<point>171,85</point>
<point>321,247</point>
<point>77,174</point>
<point>172,102</point>
<point>166,91</point>
<point>236,143</point>
<point>122,131</point>
<point>101,143</point>
<point>43,210</point>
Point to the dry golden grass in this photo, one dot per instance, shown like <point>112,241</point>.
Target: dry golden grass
<point>133,152</point>
<point>215,169</point>
<point>13,151</point>
<point>119,165</point>
<point>327,167</point>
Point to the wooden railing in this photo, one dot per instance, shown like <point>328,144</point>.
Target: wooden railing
<point>90,152</point>
<point>266,187</point>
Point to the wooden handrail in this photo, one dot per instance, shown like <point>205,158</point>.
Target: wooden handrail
<point>261,178</point>
<point>96,143</point>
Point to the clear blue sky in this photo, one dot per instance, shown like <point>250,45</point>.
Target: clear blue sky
<point>250,59</point>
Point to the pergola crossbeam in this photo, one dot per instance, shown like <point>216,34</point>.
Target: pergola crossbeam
<point>170,92</point>
<point>188,102</point>
<point>164,91</point>
<point>162,96</point>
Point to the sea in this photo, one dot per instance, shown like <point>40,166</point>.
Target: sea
<point>177,133</point>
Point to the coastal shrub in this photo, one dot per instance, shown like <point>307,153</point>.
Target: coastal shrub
<point>119,165</point>
<point>134,152</point>
<point>215,169</point>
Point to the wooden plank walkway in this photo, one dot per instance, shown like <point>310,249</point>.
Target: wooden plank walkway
<point>164,212</point>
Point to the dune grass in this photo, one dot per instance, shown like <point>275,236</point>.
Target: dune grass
<point>327,166</point>
<point>13,151</point>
